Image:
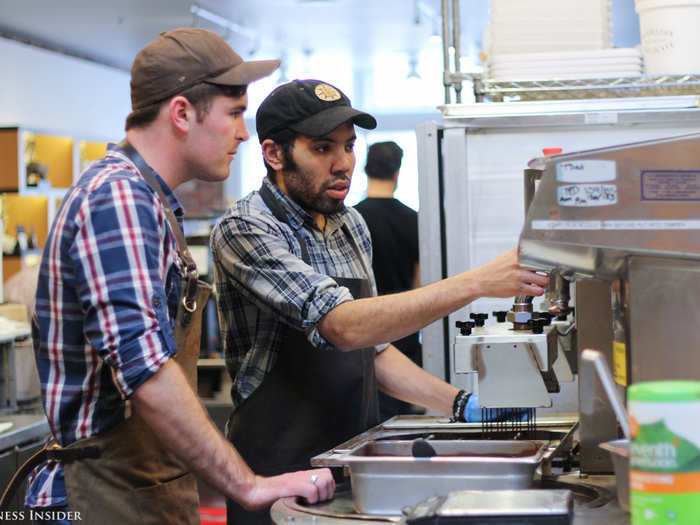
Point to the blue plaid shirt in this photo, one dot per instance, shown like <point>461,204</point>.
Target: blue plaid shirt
<point>106,300</point>
<point>264,286</point>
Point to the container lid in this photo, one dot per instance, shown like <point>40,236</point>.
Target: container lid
<point>664,391</point>
<point>644,5</point>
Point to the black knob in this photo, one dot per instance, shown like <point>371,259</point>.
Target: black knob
<point>572,311</point>
<point>479,319</point>
<point>500,316</point>
<point>545,317</point>
<point>465,327</point>
<point>536,325</point>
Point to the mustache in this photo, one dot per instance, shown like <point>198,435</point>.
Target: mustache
<point>336,180</point>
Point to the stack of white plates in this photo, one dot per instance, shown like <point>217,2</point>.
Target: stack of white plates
<point>566,65</point>
<point>530,26</point>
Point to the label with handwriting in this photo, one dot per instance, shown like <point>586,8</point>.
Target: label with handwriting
<point>574,171</point>
<point>584,195</point>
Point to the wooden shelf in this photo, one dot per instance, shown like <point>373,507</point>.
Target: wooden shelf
<point>26,211</point>
<point>9,159</point>
<point>63,157</point>
<point>53,152</point>
<point>11,264</point>
<point>89,152</point>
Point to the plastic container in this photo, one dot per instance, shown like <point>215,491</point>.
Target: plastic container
<point>664,452</point>
<point>670,36</point>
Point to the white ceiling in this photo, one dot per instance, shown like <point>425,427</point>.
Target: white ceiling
<point>112,32</point>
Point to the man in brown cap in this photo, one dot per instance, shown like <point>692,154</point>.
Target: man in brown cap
<point>119,308</point>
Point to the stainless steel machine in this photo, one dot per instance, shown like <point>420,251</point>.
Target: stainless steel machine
<point>497,476</point>
<point>623,222</point>
<point>619,227</point>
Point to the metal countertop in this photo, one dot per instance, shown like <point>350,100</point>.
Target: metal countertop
<point>25,428</point>
<point>286,511</point>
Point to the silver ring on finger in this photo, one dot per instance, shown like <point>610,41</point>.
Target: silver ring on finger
<point>314,478</point>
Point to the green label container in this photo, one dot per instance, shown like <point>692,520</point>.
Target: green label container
<point>664,452</point>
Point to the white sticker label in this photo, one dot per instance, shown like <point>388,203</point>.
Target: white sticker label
<point>584,195</point>
<point>566,225</point>
<point>651,225</point>
<point>601,117</point>
<point>616,225</point>
<point>586,171</point>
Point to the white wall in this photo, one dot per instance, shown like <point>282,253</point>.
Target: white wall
<point>53,92</point>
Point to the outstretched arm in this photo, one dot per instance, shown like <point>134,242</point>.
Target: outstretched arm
<point>375,320</point>
<point>401,378</point>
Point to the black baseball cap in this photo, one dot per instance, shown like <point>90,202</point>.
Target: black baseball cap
<point>184,57</point>
<point>311,107</point>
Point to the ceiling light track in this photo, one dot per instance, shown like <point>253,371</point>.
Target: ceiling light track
<point>224,22</point>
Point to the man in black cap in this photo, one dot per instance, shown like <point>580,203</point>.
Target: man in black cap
<point>304,333</point>
<point>119,308</point>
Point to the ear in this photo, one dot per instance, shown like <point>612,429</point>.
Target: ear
<point>396,177</point>
<point>181,113</point>
<point>273,154</point>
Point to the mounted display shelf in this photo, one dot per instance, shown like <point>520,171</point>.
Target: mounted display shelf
<point>36,169</point>
<point>86,153</point>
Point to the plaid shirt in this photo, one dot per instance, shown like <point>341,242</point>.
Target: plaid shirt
<point>264,286</point>
<point>106,300</point>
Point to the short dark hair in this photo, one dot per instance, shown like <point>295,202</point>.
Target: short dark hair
<point>383,160</point>
<point>199,95</point>
<point>285,139</point>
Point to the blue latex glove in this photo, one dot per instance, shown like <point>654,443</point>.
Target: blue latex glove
<point>472,412</point>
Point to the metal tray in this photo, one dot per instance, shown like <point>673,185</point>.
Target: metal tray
<point>336,456</point>
<point>385,477</point>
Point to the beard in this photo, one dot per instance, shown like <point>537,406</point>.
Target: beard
<point>299,185</point>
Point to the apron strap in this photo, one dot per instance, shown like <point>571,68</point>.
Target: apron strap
<point>49,453</point>
<point>274,206</point>
<point>189,301</point>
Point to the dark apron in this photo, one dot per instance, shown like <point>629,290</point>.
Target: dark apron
<point>125,475</point>
<point>309,402</point>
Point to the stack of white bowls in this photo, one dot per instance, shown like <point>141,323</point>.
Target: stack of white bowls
<point>554,39</point>
<point>566,65</point>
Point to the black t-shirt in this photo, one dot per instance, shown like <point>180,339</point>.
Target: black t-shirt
<point>394,230</point>
<point>393,227</point>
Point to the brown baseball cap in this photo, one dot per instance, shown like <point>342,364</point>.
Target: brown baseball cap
<point>184,57</point>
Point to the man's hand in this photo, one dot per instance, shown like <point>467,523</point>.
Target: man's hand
<point>168,404</point>
<point>375,320</point>
<point>504,277</point>
<point>313,485</point>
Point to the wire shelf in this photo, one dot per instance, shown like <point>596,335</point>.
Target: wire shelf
<point>668,85</point>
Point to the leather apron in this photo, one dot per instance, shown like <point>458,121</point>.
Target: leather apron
<point>135,479</point>
<point>309,402</point>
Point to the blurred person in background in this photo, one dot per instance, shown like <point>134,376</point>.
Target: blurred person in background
<point>393,227</point>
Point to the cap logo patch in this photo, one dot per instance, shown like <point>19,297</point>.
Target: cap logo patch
<point>327,93</point>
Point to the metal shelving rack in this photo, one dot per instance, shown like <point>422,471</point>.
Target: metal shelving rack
<point>668,85</point>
